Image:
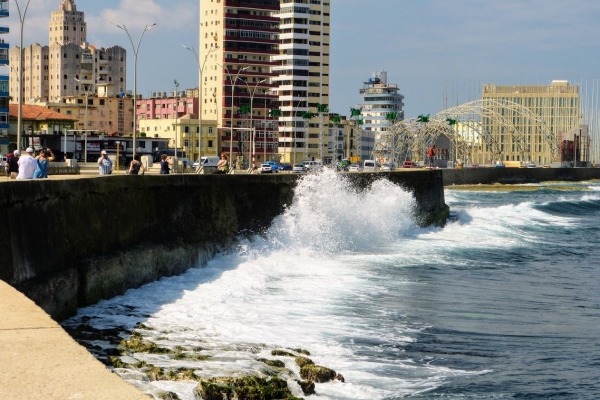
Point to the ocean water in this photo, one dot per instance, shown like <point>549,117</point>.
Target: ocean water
<point>502,302</point>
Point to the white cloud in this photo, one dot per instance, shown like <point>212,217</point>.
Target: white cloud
<point>136,14</point>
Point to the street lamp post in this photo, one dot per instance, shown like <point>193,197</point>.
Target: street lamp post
<point>87,93</point>
<point>135,54</point>
<point>231,117</point>
<point>200,73</point>
<point>252,131</point>
<point>177,142</point>
<point>20,111</point>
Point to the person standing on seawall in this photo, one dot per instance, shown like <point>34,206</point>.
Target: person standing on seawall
<point>164,165</point>
<point>104,164</point>
<point>43,158</point>
<point>136,166</point>
<point>13,165</point>
<point>431,155</point>
<point>27,165</point>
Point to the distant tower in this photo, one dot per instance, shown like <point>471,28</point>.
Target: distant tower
<point>67,25</point>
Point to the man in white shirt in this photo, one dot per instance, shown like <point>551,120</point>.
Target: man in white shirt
<point>27,165</point>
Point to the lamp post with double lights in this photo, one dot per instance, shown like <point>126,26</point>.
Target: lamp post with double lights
<point>20,111</point>
<point>252,130</point>
<point>231,117</point>
<point>177,142</point>
<point>87,93</point>
<point>200,73</point>
<point>135,55</point>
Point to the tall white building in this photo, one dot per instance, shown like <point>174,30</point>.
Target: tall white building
<point>382,106</point>
<point>302,76</point>
<point>69,65</point>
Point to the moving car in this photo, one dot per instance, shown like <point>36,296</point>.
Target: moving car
<point>274,166</point>
<point>266,168</point>
<point>312,165</point>
<point>209,161</point>
<point>388,166</point>
<point>370,166</point>
<point>410,164</point>
<point>285,167</point>
<point>354,168</point>
<point>298,168</point>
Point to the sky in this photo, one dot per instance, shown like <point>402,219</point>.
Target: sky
<point>438,52</point>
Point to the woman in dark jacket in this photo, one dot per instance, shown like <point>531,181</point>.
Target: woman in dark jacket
<point>164,165</point>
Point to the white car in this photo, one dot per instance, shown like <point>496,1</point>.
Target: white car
<point>298,168</point>
<point>354,168</point>
<point>388,166</point>
<point>266,169</point>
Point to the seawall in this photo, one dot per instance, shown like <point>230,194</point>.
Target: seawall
<point>474,176</point>
<point>71,243</point>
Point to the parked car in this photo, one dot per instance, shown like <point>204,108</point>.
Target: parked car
<point>3,160</point>
<point>409,164</point>
<point>209,161</point>
<point>388,166</point>
<point>266,168</point>
<point>298,168</point>
<point>354,168</point>
<point>285,167</point>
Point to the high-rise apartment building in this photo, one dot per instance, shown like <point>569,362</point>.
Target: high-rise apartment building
<point>556,105</point>
<point>381,107</point>
<point>302,77</point>
<point>238,39</point>
<point>69,65</point>
<point>4,83</point>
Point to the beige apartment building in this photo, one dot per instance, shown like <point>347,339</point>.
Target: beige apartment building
<point>103,115</point>
<point>69,66</point>
<point>557,105</point>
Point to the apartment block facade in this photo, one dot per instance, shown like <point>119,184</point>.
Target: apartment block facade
<point>69,66</point>
<point>557,105</point>
<point>302,78</point>
<point>238,39</point>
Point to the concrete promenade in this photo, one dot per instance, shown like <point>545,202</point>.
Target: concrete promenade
<point>41,361</point>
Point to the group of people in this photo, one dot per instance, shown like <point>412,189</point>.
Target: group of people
<point>222,166</point>
<point>135,167</point>
<point>28,165</point>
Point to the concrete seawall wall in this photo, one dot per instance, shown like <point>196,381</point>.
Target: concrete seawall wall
<point>75,242</point>
<point>474,176</point>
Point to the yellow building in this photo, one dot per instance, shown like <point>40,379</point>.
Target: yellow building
<point>183,133</point>
<point>555,109</point>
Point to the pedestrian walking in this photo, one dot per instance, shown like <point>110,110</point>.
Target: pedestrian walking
<point>43,158</point>
<point>27,164</point>
<point>104,164</point>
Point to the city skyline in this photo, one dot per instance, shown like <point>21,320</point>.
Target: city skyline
<point>437,52</point>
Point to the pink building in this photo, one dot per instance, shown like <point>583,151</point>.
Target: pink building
<point>159,106</point>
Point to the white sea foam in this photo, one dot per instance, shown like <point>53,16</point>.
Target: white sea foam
<point>310,282</point>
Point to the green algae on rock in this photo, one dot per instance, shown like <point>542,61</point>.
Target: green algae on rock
<point>244,388</point>
<point>272,363</point>
<point>282,353</point>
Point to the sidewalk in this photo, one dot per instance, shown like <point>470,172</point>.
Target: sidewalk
<point>40,360</point>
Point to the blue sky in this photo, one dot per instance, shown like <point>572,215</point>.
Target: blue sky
<point>428,47</point>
